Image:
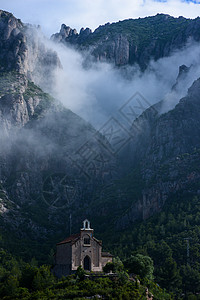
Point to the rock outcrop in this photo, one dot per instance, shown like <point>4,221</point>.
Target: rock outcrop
<point>167,153</point>
<point>12,43</point>
<point>133,41</point>
<point>23,50</point>
<point>44,162</point>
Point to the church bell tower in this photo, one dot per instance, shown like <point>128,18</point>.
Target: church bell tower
<point>86,228</point>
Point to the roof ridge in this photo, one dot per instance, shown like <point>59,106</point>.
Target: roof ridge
<point>69,238</point>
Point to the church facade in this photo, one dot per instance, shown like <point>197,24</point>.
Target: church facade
<point>81,249</point>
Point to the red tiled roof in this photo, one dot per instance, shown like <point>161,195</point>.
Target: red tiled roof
<point>70,239</point>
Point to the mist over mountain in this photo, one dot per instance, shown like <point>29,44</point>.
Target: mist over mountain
<point>102,124</point>
<point>40,138</point>
<point>161,43</point>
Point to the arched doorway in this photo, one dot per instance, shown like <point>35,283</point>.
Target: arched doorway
<point>87,263</point>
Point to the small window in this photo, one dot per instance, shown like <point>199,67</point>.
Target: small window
<point>86,241</point>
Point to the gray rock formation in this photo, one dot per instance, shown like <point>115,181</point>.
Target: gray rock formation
<point>44,160</point>
<point>23,49</point>
<point>182,75</point>
<point>166,150</point>
<point>12,43</point>
<point>133,41</point>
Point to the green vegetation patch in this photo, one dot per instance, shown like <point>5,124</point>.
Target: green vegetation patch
<point>19,280</point>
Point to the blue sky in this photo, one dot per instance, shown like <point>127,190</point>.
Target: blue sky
<point>50,14</point>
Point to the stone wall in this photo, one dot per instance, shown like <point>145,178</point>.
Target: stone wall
<point>81,250</point>
<point>63,254</point>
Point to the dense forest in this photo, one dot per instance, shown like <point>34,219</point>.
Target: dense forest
<point>170,239</point>
<point>20,280</point>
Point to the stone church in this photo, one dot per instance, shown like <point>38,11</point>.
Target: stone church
<point>81,249</point>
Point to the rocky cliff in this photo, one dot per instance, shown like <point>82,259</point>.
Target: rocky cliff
<point>50,158</point>
<point>134,40</point>
<point>166,150</point>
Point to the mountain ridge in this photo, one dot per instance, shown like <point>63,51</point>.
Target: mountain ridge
<point>133,40</point>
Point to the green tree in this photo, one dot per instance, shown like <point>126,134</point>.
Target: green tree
<point>115,266</point>
<point>43,278</point>
<point>118,264</point>
<point>191,279</point>
<point>109,267</point>
<point>28,274</point>
<point>141,265</point>
<point>123,277</point>
<point>80,273</point>
<point>10,286</point>
<point>169,276</point>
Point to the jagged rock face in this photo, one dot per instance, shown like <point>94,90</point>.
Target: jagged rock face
<point>167,150</point>
<point>68,33</point>
<point>23,51</point>
<point>42,61</point>
<point>39,139</point>
<point>182,75</point>
<point>16,104</point>
<point>177,131</point>
<point>65,32</point>
<point>44,146</point>
<point>133,41</point>
<point>23,57</point>
<point>163,136</point>
<point>12,43</point>
<point>43,166</point>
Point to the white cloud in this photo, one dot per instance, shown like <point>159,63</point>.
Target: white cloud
<point>50,14</point>
<point>96,93</point>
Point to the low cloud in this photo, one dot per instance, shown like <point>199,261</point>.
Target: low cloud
<point>97,92</point>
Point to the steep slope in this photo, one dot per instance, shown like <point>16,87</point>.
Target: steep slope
<point>23,50</point>
<point>45,171</point>
<point>134,40</point>
<point>166,151</point>
<point>12,43</point>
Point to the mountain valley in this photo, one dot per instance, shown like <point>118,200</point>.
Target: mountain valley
<point>137,176</point>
